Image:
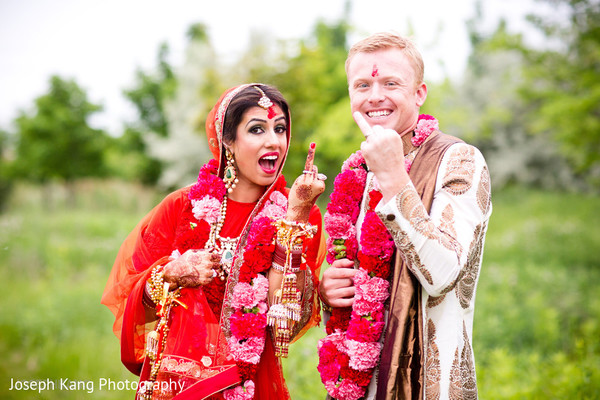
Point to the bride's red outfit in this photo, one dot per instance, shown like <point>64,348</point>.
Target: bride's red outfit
<point>197,361</point>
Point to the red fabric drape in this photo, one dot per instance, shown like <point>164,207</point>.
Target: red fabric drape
<point>194,333</point>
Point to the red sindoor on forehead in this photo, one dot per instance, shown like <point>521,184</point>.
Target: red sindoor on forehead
<point>375,71</point>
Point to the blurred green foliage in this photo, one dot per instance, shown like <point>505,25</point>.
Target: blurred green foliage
<point>55,141</point>
<point>537,319</point>
<point>532,110</point>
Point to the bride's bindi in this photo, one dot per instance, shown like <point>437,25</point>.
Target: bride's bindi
<point>375,71</point>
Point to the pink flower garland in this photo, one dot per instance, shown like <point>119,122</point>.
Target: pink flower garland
<point>350,352</point>
<point>249,300</point>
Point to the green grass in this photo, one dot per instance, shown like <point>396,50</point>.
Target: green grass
<point>537,311</point>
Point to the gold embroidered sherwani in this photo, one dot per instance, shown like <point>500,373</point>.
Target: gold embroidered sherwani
<point>438,222</point>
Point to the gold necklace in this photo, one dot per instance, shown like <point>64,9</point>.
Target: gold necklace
<point>225,246</point>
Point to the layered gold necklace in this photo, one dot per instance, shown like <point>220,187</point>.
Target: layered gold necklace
<point>225,246</point>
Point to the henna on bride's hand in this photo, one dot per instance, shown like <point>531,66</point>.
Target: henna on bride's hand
<point>301,213</point>
<point>304,192</point>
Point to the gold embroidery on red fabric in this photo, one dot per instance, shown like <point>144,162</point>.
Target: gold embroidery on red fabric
<point>484,191</point>
<point>461,168</point>
<point>466,285</point>
<point>188,368</point>
<point>433,372</point>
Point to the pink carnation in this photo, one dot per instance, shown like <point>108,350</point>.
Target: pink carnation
<point>279,199</point>
<point>276,207</point>
<point>337,339</point>
<point>245,392</point>
<point>207,208</point>
<point>363,355</point>
<point>272,211</point>
<point>370,289</point>
<point>361,176</point>
<point>248,296</point>
<point>346,182</point>
<point>362,307</point>
<point>207,184</point>
<point>342,202</point>
<point>329,367</point>
<point>260,284</point>
<point>248,351</point>
<point>243,296</point>
<point>354,161</point>
<point>261,233</point>
<point>338,226</point>
<point>426,125</point>
<point>347,390</point>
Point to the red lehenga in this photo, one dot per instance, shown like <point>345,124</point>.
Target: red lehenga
<point>196,353</point>
<point>196,362</point>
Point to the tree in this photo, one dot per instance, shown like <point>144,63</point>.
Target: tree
<point>148,97</point>
<point>564,82</point>
<point>56,140</point>
<point>184,150</point>
<point>6,181</point>
<point>314,83</point>
<point>488,109</point>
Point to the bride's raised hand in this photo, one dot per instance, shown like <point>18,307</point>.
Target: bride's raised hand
<point>306,189</point>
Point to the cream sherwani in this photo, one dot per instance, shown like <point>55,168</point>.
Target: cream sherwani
<point>443,249</point>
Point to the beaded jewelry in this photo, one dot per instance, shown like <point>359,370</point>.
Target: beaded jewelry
<point>230,174</point>
<point>266,103</point>
<point>222,245</point>
<point>157,339</point>
<point>285,309</point>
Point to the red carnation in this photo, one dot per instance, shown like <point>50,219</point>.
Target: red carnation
<point>375,240</point>
<point>339,319</point>
<point>363,330</point>
<point>361,378</point>
<point>246,325</point>
<point>374,265</point>
<point>375,197</point>
<point>246,370</point>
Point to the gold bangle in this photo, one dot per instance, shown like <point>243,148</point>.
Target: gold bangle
<point>156,284</point>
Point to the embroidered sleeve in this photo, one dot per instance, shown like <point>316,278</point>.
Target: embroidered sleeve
<point>439,246</point>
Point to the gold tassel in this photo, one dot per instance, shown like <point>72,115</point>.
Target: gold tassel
<point>152,345</point>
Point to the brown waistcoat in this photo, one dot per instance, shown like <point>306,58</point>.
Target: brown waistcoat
<point>401,368</point>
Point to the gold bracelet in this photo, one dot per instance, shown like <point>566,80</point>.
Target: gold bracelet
<point>156,284</point>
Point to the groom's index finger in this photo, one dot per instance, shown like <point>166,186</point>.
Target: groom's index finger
<point>362,123</point>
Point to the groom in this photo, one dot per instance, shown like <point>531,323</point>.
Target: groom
<point>431,195</point>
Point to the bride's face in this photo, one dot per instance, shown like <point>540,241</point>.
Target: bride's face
<point>259,147</point>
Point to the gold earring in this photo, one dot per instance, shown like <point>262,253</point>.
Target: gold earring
<point>230,174</point>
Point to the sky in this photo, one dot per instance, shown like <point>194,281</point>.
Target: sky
<point>101,43</point>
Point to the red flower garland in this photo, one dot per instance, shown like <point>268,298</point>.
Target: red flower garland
<point>248,321</point>
<point>350,352</point>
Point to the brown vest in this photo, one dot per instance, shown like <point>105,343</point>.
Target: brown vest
<point>401,368</point>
